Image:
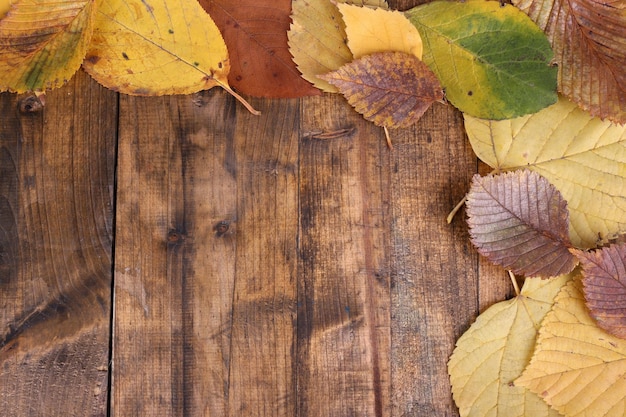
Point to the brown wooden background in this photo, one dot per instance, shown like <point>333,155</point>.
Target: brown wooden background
<point>178,256</point>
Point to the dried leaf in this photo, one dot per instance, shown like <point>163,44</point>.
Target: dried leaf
<point>519,220</point>
<point>583,157</point>
<point>391,89</point>
<point>378,30</point>
<point>605,287</point>
<point>492,60</point>
<point>42,43</point>
<point>318,40</point>
<point>589,42</point>
<point>577,367</point>
<point>496,349</point>
<point>255,32</point>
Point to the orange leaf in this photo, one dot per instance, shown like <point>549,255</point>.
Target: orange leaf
<point>605,287</point>
<point>589,42</point>
<point>255,32</point>
<point>391,89</point>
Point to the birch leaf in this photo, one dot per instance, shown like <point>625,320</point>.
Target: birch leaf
<point>391,89</point>
<point>519,220</point>
<point>156,47</point>
<point>318,40</point>
<point>589,42</point>
<point>492,60</point>
<point>42,43</point>
<point>378,30</point>
<point>605,287</point>
<point>576,367</point>
<point>494,351</point>
<point>255,32</point>
<point>582,156</point>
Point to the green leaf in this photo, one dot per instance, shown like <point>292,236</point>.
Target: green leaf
<point>492,60</point>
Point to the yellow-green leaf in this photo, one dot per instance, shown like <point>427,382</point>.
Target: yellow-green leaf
<point>378,30</point>
<point>582,156</point>
<point>42,43</point>
<point>576,367</point>
<point>318,40</point>
<point>492,60</point>
<point>495,350</point>
<point>156,47</point>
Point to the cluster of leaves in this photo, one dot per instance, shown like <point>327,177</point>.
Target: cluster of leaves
<point>564,191</point>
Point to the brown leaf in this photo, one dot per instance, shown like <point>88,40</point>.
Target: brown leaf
<point>589,42</point>
<point>255,32</point>
<point>605,287</point>
<point>391,89</point>
<point>520,221</point>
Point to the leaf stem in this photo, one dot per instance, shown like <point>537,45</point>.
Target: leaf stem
<point>514,282</point>
<point>389,144</point>
<point>456,209</point>
<point>240,99</point>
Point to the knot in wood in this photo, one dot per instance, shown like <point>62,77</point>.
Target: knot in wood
<point>221,228</point>
<point>30,104</point>
<point>175,237</point>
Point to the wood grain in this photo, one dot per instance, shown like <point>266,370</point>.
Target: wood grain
<point>56,212</point>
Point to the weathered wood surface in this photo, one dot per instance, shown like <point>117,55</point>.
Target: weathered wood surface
<point>287,264</point>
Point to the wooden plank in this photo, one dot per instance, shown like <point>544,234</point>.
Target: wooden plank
<point>343,295</point>
<point>205,265</point>
<point>56,212</point>
<point>264,307</point>
<point>435,270</point>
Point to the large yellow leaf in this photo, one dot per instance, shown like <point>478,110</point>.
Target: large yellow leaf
<point>317,38</point>
<point>495,350</point>
<point>582,156</point>
<point>156,47</point>
<point>43,42</point>
<point>378,30</point>
<point>577,367</point>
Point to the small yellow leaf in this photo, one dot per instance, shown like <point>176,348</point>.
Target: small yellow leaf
<point>577,367</point>
<point>156,47</point>
<point>379,30</point>
<point>495,350</point>
<point>582,156</point>
<point>43,42</point>
<point>317,38</point>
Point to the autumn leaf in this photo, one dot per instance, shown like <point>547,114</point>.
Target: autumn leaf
<point>391,89</point>
<point>255,33</point>
<point>42,43</point>
<point>605,287</point>
<point>589,42</point>
<point>157,47</point>
<point>582,156</point>
<point>492,60</point>
<point>494,351</point>
<point>378,30</point>
<point>576,367</point>
<point>519,220</point>
<point>318,40</point>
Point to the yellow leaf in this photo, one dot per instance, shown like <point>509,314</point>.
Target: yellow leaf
<point>577,367</point>
<point>156,47</point>
<point>317,38</point>
<point>379,30</point>
<point>582,156</point>
<point>43,42</point>
<point>495,350</point>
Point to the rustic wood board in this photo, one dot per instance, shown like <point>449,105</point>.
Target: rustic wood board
<point>287,264</point>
